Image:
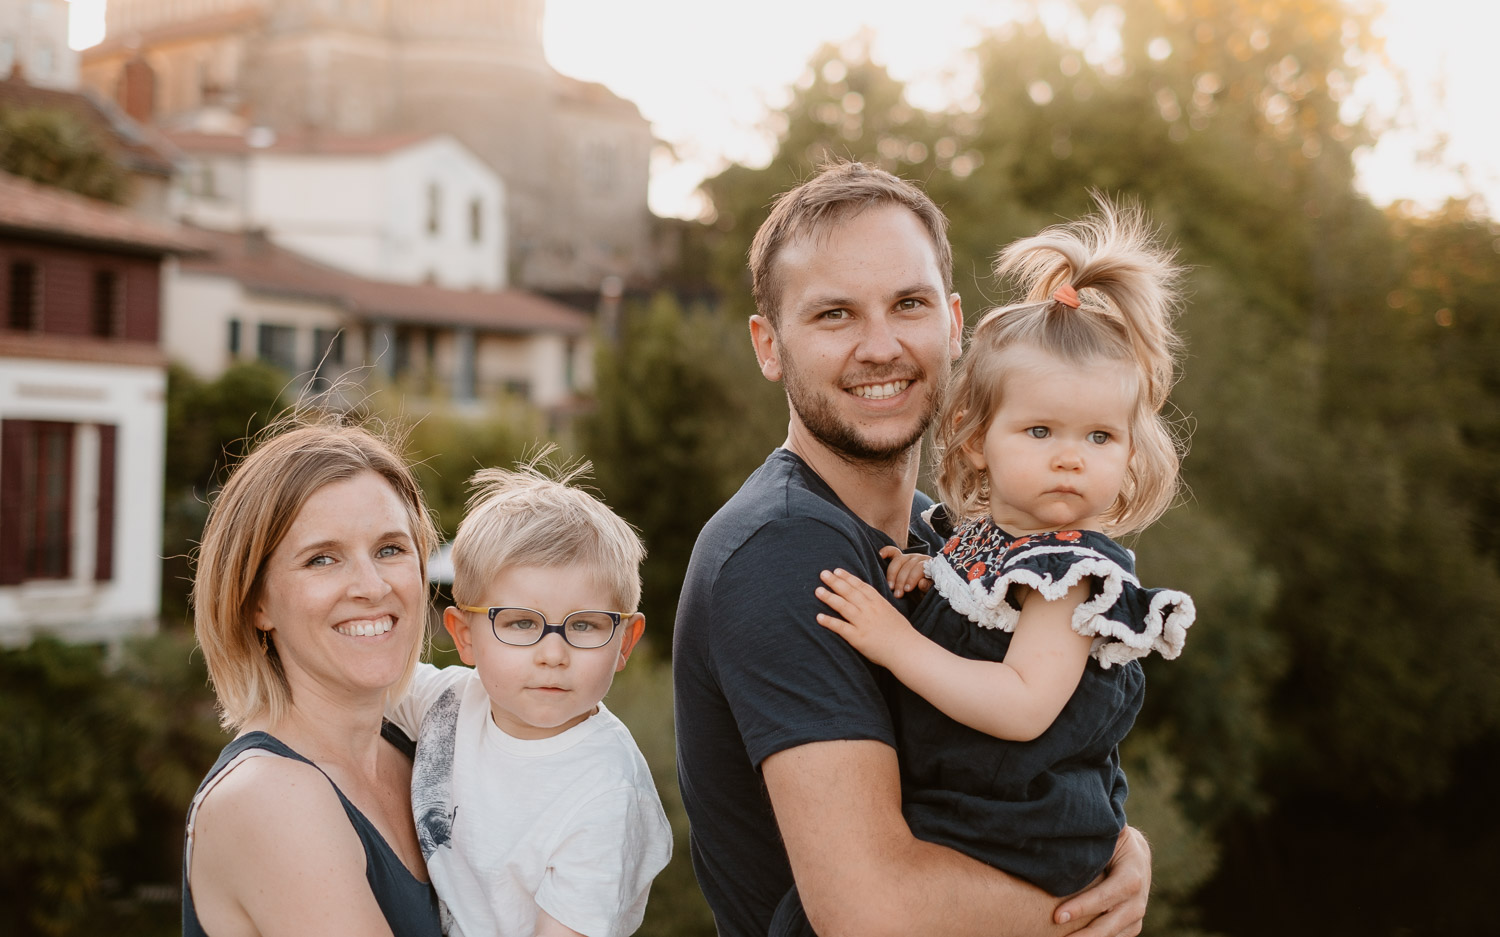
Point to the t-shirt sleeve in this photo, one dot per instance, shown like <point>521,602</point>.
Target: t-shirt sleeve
<point>1125,620</point>
<point>599,876</point>
<point>788,680</point>
<point>427,684</point>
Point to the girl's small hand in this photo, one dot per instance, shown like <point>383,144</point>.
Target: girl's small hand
<point>906,571</point>
<point>868,621</point>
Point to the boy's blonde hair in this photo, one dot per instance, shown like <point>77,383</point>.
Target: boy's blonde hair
<point>1126,315</point>
<point>535,516</point>
<point>248,520</point>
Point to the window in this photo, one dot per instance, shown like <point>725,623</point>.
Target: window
<point>106,310</point>
<point>234,337</point>
<point>434,208</point>
<point>476,220</point>
<point>276,345</point>
<point>36,499</point>
<point>22,313</point>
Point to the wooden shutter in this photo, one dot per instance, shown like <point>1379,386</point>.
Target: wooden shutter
<point>104,555</point>
<point>12,454</point>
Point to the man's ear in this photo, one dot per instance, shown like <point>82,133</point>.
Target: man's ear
<point>457,623</point>
<point>633,627</point>
<point>956,337</point>
<point>767,354</point>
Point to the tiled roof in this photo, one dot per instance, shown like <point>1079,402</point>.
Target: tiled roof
<point>261,266</point>
<point>48,212</point>
<point>299,142</point>
<point>135,146</point>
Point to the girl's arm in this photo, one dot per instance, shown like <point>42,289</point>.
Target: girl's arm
<point>1017,699</point>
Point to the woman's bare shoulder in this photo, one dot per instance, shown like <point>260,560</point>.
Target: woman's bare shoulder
<point>267,803</point>
<point>274,846</point>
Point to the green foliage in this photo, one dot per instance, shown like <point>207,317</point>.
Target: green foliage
<point>54,147</point>
<point>1340,535</point>
<point>209,424</point>
<point>642,698</point>
<point>98,763</point>
<point>683,417</point>
<point>447,448</point>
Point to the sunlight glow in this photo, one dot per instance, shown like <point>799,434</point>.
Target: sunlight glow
<point>709,77</point>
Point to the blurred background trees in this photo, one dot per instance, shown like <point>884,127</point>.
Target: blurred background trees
<point>1316,762</point>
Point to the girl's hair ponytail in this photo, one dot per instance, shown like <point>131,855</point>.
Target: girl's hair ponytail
<point>1099,287</point>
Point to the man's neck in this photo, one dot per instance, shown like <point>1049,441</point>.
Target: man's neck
<point>879,493</point>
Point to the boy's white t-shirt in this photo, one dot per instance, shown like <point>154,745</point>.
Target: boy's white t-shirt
<point>571,823</point>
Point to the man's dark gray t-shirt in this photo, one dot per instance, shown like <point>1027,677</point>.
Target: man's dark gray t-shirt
<point>755,674</point>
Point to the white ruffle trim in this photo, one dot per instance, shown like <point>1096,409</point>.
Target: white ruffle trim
<point>983,601</point>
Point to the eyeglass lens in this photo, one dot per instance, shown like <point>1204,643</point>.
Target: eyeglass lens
<point>524,626</point>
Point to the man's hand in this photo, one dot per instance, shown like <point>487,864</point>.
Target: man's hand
<point>906,571</point>
<point>1119,898</point>
<point>865,619</point>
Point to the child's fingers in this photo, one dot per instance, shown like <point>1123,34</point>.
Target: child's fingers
<point>888,553</point>
<point>836,625</point>
<point>848,585</point>
<point>836,602</point>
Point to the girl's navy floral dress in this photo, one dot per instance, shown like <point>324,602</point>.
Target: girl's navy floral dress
<point>1048,810</point>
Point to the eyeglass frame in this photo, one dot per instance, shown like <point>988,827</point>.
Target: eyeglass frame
<point>548,627</point>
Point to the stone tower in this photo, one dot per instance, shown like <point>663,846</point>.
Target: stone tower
<point>574,156</point>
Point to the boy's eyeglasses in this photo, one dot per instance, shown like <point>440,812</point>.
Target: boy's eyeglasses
<point>523,627</point>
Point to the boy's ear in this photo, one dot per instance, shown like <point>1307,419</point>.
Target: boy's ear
<point>457,623</point>
<point>633,626</point>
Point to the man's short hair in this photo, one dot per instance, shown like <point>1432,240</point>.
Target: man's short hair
<point>839,191</point>
<point>535,517</point>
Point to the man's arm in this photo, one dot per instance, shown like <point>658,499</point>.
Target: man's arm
<point>860,871</point>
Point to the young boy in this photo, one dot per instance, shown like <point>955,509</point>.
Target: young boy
<point>534,807</point>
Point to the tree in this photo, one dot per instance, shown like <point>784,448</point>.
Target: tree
<point>683,417</point>
<point>54,147</point>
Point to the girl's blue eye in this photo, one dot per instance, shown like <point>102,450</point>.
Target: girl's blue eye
<point>1099,437</point>
<point>1038,432</point>
<point>389,549</point>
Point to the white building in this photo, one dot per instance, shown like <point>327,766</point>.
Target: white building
<point>407,209</point>
<point>82,416</point>
<point>34,43</point>
<point>247,298</point>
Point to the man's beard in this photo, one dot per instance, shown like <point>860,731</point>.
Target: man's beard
<point>819,415</point>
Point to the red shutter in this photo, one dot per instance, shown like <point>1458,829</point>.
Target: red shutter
<point>104,542</point>
<point>12,454</point>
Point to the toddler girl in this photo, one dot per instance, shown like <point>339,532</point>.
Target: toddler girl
<point>1020,668</point>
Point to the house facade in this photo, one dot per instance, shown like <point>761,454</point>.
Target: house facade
<point>82,415</point>
<point>247,298</point>
<point>404,208</point>
<point>574,156</point>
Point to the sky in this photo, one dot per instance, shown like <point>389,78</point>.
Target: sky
<point>707,75</point>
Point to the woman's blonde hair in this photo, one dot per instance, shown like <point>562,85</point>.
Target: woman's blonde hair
<point>249,518</point>
<point>1126,286</point>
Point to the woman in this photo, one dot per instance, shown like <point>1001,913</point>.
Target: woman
<point>310,606</point>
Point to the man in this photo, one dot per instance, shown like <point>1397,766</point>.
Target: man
<point>785,742</point>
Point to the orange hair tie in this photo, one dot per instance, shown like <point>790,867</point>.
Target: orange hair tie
<point>1067,296</point>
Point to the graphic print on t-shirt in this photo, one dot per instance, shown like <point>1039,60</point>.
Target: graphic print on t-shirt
<point>432,775</point>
